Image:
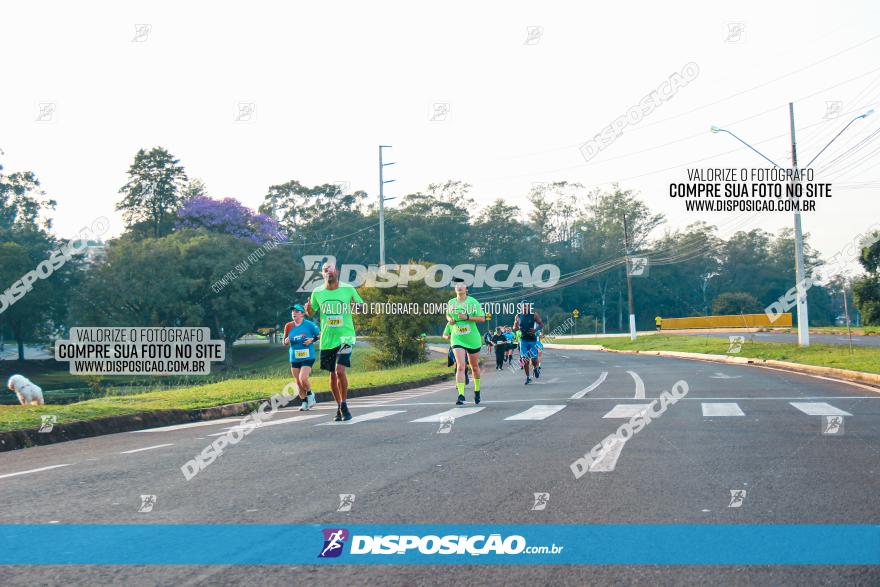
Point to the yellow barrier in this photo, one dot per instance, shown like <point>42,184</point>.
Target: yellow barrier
<point>737,321</point>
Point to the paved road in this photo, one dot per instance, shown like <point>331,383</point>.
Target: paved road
<point>681,469</point>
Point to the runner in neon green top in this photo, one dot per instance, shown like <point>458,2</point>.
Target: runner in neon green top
<point>335,301</point>
<point>463,313</point>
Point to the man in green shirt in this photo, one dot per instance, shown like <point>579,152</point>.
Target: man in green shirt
<point>463,313</point>
<point>335,301</point>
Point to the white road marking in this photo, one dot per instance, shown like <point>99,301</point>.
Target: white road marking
<point>538,412</point>
<point>607,459</point>
<point>720,375</point>
<point>721,409</point>
<point>364,418</point>
<point>189,425</point>
<point>453,413</point>
<point>128,452</point>
<point>592,386</point>
<point>640,385</point>
<point>551,382</point>
<point>272,423</point>
<point>819,409</point>
<point>34,470</point>
<point>626,410</point>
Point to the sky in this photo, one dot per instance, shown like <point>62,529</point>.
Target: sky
<point>498,94</point>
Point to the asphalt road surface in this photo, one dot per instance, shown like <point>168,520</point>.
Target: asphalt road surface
<point>739,428</point>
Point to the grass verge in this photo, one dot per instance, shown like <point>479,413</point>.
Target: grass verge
<point>865,359</point>
<point>229,391</point>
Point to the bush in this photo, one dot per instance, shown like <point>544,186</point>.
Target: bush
<point>398,336</point>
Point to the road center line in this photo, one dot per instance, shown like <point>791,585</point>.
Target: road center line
<point>34,470</point>
<point>128,452</point>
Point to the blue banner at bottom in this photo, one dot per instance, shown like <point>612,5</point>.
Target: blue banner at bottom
<point>225,544</point>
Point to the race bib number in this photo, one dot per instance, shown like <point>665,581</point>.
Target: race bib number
<point>334,321</point>
<point>463,329</point>
<point>301,353</point>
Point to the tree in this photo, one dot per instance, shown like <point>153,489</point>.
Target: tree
<point>422,221</point>
<point>866,290</point>
<point>194,188</point>
<point>398,335</point>
<point>153,192</point>
<point>25,242</point>
<point>866,293</point>
<point>500,231</point>
<point>603,229</point>
<point>227,216</point>
<point>176,281</point>
<point>733,303</point>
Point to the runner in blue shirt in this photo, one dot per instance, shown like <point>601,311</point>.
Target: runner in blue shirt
<point>300,335</point>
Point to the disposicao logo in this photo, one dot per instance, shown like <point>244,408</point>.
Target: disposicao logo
<point>436,276</point>
<point>334,540</point>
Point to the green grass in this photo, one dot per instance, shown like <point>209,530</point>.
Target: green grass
<point>203,396</point>
<point>249,361</point>
<point>824,355</point>
<point>856,331</point>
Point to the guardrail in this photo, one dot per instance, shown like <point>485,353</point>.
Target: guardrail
<point>735,321</point>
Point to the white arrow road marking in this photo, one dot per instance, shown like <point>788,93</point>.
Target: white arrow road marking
<point>364,418</point>
<point>592,386</point>
<point>721,409</point>
<point>819,409</point>
<point>640,385</point>
<point>723,376</point>
<point>453,413</point>
<point>128,452</point>
<point>34,470</point>
<point>538,412</point>
<point>626,410</point>
<point>607,459</point>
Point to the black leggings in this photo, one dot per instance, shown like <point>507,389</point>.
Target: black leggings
<point>499,357</point>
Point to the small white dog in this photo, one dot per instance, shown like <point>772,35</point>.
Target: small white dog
<point>28,393</point>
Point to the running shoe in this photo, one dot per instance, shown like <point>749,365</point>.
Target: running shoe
<point>338,417</point>
<point>460,401</point>
<point>305,405</point>
<point>311,400</point>
<point>476,397</point>
<point>346,415</point>
<point>528,380</point>
<point>537,372</point>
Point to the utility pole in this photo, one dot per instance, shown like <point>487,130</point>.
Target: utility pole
<point>629,286</point>
<point>382,201</point>
<point>802,311</point>
<point>803,318</point>
<point>846,312</point>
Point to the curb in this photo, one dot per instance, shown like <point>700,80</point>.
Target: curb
<point>17,439</point>
<point>834,372</point>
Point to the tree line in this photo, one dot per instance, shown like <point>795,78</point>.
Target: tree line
<point>179,242</point>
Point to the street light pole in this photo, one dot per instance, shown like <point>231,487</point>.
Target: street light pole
<point>629,286</point>
<point>802,311</point>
